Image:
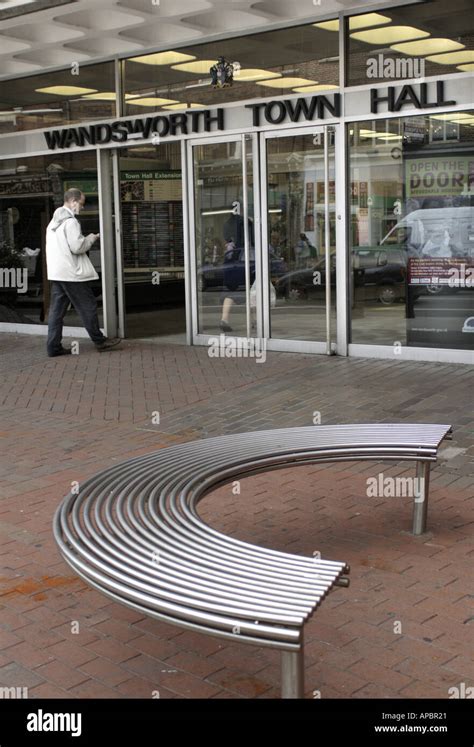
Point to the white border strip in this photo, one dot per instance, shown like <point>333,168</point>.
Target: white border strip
<point>41,329</point>
<point>434,355</point>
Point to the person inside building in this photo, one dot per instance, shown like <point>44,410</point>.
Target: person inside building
<point>234,269</point>
<point>305,252</point>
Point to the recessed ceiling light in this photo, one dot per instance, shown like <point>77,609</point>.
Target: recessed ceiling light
<point>389,34</point>
<point>254,73</point>
<point>106,96</point>
<point>65,90</point>
<point>464,120</point>
<point>200,66</point>
<point>286,82</point>
<point>355,22</point>
<point>184,106</point>
<point>143,149</point>
<point>368,19</point>
<point>163,58</point>
<point>379,135</point>
<point>328,25</point>
<point>453,57</point>
<point>318,87</point>
<point>428,46</point>
<point>445,117</point>
<point>467,68</point>
<point>152,101</point>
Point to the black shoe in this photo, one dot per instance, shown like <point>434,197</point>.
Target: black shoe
<point>225,327</point>
<point>108,343</point>
<point>62,351</point>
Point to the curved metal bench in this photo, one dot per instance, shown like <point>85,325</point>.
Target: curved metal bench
<point>133,532</point>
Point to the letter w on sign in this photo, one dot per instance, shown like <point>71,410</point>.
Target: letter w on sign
<point>295,109</point>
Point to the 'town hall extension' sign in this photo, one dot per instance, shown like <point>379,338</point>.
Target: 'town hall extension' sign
<point>185,123</point>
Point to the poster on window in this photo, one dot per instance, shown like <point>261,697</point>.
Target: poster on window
<point>441,177</point>
<point>440,302</point>
<point>451,272</point>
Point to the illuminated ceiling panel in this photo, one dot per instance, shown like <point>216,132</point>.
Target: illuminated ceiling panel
<point>63,31</point>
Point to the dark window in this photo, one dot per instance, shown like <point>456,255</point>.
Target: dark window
<point>78,94</point>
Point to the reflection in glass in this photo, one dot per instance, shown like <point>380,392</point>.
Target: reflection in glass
<point>220,236</point>
<point>416,41</point>
<point>152,241</point>
<point>412,232</point>
<point>58,98</point>
<point>30,191</point>
<point>266,64</point>
<point>296,233</point>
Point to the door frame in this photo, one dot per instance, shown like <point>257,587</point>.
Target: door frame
<point>200,338</point>
<point>339,343</point>
<point>275,343</point>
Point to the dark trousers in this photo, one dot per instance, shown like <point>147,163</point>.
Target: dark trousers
<point>84,302</point>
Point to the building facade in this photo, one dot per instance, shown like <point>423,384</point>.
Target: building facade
<point>323,202</point>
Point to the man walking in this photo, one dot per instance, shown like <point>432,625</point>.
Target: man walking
<point>71,273</point>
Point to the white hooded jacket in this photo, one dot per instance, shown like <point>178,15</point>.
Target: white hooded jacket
<point>66,249</point>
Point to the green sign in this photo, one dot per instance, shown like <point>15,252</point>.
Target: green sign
<point>88,186</point>
<point>146,175</point>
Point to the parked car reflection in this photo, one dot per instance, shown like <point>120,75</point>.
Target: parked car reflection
<point>230,271</point>
<point>378,275</point>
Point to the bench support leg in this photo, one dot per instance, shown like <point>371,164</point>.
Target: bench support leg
<point>292,674</point>
<point>420,507</point>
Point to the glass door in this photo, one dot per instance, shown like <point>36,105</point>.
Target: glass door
<point>299,237</point>
<point>223,234</point>
<point>150,205</point>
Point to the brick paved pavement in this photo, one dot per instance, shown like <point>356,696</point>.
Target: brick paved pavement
<point>403,628</point>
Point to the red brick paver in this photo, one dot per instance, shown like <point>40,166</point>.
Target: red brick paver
<point>402,629</point>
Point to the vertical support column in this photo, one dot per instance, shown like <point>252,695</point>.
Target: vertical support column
<point>107,244</point>
<point>343,267</point>
<point>245,200</point>
<point>292,673</point>
<point>188,272</point>
<point>420,506</point>
<point>192,303</point>
<point>119,88</point>
<point>260,257</point>
<point>121,307</point>
<point>265,238</point>
<point>327,241</point>
<point>342,51</point>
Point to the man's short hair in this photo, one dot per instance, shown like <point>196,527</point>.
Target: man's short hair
<point>72,194</point>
